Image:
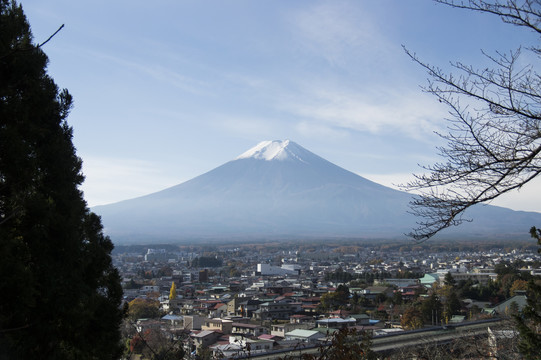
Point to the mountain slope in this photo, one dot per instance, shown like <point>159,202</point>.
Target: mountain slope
<point>277,189</point>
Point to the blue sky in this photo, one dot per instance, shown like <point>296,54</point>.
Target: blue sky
<point>167,90</point>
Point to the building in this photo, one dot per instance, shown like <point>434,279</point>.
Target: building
<point>193,322</point>
<point>222,325</point>
<point>310,336</point>
<point>336,323</point>
<point>248,329</point>
<point>205,338</point>
<point>270,270</point>
<point>156,255</point>
<point>277,310</point>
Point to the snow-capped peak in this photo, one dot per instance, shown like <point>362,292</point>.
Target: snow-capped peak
<point>273,150</point>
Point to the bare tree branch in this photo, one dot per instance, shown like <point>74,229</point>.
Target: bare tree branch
<point>493,143</point>
<point>50,37</point>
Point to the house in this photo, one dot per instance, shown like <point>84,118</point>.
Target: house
<point>515,303</point>
<point>174,320</point>
<point>247,307</point>
<point>301,319</point>
<point>232,306</point>
<point>372,292</point>
<point>258,345</point>
<point>277,310</point>
<point>336,323</point>
<point>193,322</point>
<point>429,279</point>
<point>222,325</point>
<point>242,347</point>
<point>309,336</point>
<point>147,324</point>
<point>281,329</point>
<point>310,309</point>
<point>398,282</point>
<point>269,337</point>
<point>248,329</point>
<point>362,319</point>
<point>170,305</point>
<point>218,310</point>
<point>149,288</point>
<point>205,338</point>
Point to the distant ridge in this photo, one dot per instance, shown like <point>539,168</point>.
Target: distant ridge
<point>280,190</point>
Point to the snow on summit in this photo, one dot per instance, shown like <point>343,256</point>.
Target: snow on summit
<point>273,150</point>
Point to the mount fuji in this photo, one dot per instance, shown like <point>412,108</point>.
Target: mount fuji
<point>279,190</point>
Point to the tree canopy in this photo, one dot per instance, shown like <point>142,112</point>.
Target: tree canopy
<point>493,143</point>
<point>173,292</point>
<point>61,293</point>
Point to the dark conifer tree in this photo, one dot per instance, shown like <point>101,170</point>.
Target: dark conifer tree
<point>60,292</point>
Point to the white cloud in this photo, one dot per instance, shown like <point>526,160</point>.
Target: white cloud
<point>390,180</point>
<point>314,130</point>
<point>253,127</point>
<point>160,73</point>
<point>526,199</point>
<point>413,114</point>
<point>335,30</point>
<point>110,180</point>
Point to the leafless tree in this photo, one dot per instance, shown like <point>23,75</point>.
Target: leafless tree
<point>493,143</point>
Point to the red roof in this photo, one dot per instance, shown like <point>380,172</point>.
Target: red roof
<point>217,306</point>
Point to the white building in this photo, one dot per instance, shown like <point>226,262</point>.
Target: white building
<point>286,269</point>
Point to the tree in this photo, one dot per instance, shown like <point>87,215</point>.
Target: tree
<point>342,294</point>
<point>493,140</point>
<point>449,280</point>
<point>143,308</point>
<point>432,310</point>
<point>61,293</point>
<point>173,292</point>
<point>518,284</point>
<point>412,318</point>
<point>451,307</point>
<point>529,324</point>
<point>397,298</point>
<point>156,344</point>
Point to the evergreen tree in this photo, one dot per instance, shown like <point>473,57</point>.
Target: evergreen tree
<point>61,293</point>
<point>432,310</point>
<point>449,280</point>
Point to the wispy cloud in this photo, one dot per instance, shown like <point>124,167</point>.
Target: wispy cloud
<point>392,180</point>
<point>253,127</point>
<point>114,179</point>
<point>337,30</point>
<point>160,74</point>
<point>318,130</point>
<point>413,114</point>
